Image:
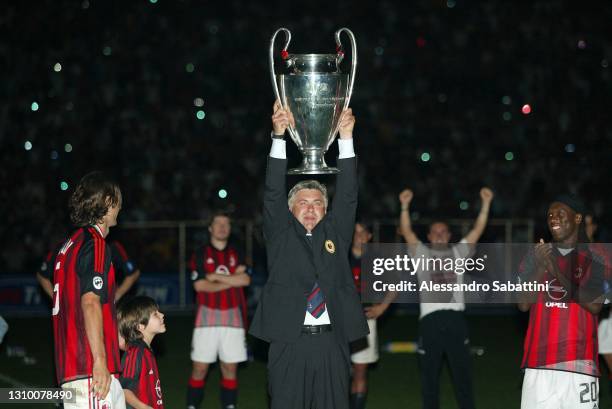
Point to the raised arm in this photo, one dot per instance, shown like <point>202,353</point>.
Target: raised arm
<point>276,212</point>
<point>486,196</point>
<point>405,225</point>
<point>344,204</point>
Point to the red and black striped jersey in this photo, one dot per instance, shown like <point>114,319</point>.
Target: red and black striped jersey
<point>562,335</point>
<point>46,267</point>
<point>140,375</point>
<point>123,265</point>
<point>83,265</point>
<point>220,308</point>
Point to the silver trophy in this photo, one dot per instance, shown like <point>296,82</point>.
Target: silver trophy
<point>315,91</point>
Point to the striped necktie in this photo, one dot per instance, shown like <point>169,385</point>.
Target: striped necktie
<point>316,302</point>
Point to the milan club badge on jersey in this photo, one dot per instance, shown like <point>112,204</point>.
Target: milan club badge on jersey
<point>330,246</point>
<point>98,282</point>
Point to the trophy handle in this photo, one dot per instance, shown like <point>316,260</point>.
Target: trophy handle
<point>353,63</point>
<point>284,56</point>
<point>339,58</point>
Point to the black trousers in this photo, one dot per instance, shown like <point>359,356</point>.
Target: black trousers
<point>311,373</point>
<point>444,333</point>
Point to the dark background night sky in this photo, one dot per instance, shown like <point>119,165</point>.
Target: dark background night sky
<point>114,86</point>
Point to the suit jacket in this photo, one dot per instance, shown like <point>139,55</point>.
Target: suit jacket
<point>293,262</point>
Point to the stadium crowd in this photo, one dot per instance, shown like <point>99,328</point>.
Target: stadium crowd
<point>173,99</point>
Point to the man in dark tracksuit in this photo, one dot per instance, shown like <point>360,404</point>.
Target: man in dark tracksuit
<point>309,310</point>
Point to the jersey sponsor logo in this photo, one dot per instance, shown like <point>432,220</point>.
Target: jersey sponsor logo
<point>556,305</point>
<point>223,270</point>
<point>556,291</point>
<point>98,282</point>
<point>194,275</point>
<point>150,371</point>
<point>209,260</point>
<point>232,261</point>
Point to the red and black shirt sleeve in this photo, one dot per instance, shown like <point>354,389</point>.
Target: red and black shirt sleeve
<point>93,267</point>
<point>132,364</point>
<point>123,265</point>
<point>196,265</point>
<point>47,266</point>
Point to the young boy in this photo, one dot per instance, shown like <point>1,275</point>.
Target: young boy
<point>139,321</point>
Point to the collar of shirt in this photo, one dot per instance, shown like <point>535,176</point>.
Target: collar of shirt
<point>141,344</point>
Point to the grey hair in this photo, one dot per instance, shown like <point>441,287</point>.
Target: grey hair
<point>306,184</point>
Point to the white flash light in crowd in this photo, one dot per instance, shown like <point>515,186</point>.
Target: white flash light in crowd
<point>509,156</point>
<point>222,193</point>
<point>68,148</point>
<point>107,51</point>
<point>34,106</point>
<point>199,102</point>
<point>200,114</point>
<point>27,146</point>
<point>425,156</point>
<point>54,155</point>
<point>64,185</point>
<point>57,67</point>
<point>189,67</point>
<point>463,205</point>
<point>570,148</point>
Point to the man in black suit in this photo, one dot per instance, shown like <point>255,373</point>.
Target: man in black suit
<point>309,310</point>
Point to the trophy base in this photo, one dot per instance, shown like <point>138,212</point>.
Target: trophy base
<point>313,164</point>
<point>316,171</point>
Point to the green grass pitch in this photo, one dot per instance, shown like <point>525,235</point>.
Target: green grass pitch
<point>393,382</point>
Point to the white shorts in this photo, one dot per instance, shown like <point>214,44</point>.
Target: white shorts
<point>86,400</point>
<point>604,333</point>
<point>228,343</point>
<point>550,389</point>
<point>365,351</point>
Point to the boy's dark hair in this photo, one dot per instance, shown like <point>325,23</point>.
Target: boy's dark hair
<point>91,199</point>
<point>134,312</point>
